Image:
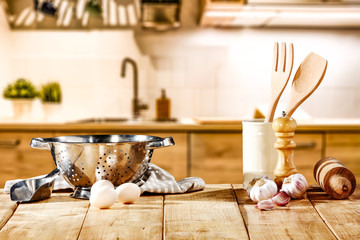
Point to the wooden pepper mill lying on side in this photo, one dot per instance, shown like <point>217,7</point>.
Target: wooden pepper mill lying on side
<point>284,128</point>
<point>334,178</point>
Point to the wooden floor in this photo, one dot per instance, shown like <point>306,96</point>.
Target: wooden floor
<point>219,212</point>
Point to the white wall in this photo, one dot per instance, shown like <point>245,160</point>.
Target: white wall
<point>206,72</point>
<point>5,61</point>
<point>227,72</point>
<point>87,65</point>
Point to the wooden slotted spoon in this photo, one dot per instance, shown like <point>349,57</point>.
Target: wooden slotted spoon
<point>306,80</point>
<point>281,71</point>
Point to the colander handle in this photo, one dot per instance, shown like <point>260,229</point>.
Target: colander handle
<point>164,142</point>
<point>39,143</point>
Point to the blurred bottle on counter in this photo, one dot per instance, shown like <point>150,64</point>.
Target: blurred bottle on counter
<point>163,107</point>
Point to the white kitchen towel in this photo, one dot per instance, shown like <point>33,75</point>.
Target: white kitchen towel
<point>155,180</point>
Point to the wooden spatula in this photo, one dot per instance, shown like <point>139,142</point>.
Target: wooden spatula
<point>281,71</point>
<point>307,78</point>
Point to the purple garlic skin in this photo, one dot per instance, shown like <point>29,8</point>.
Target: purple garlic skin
<point>265,205</point>
<point>295,185</point>
<point>281,198</point>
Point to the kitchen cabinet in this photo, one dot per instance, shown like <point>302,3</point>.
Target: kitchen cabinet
<point>346,148</point>
<point>19,160</point>
<point>308,151</point>
<point>216,157</point>
<point>70,15</point>
<point>8,157</point>
<point>212,152</point>
<point>33,162</point>
<point>174,158</point>
<point>275,13</point>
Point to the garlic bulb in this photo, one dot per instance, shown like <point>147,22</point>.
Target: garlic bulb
<point>263,189</point>
<point>295,185</point>
<point>252,183</point>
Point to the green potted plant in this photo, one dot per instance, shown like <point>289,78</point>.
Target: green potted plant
<point>93,7</point>
<point>51,96</point>
<point>50,93</point>
<point>21,93</point>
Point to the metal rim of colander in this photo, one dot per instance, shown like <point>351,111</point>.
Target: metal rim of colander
<point>121,138</point>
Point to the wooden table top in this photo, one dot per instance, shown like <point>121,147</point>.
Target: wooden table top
<point>218,212</point>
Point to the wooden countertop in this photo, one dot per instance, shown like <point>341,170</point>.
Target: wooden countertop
<point>218,212</point>
<point>221,126</point>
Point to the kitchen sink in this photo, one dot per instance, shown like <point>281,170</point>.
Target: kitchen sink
<point>101,120</point>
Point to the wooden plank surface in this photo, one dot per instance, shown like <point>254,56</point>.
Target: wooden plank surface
<point>7,207</point>
<point>342,216</point>
<point>140,220</point>
<point>218,212</point>
<point>59,217</point>
<point>297,220</point>
<point>209,214</point>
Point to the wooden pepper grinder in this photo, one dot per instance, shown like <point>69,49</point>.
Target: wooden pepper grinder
<point>334,178</point>
<point>284,128</point>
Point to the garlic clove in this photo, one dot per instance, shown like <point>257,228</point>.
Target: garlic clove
<point>295,185</point>
<point>281,198</point>
<point>265,205</point>
<point>263,189</point>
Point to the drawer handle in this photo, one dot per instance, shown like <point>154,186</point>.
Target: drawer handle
<point>308,145</point>
<point>9,143</point>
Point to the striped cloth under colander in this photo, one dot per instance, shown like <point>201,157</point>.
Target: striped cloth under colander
<point>157,180</point>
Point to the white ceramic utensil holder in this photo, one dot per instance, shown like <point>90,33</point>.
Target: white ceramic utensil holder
<point>259,153</point>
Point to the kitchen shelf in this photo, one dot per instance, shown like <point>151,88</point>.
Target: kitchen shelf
<point>71,14</point>
<point>299,13</point>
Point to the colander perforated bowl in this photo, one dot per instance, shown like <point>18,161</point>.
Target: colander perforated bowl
<point>84,159</point>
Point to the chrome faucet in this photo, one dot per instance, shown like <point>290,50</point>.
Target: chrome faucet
<point>136,103</point>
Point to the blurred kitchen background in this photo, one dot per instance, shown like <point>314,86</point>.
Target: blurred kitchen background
<point>209,66</point>
<point>212,57</point>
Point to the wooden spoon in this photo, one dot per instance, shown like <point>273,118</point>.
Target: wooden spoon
<point>307,78</point>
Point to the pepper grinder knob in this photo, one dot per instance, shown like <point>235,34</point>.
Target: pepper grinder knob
<point>284,128</point>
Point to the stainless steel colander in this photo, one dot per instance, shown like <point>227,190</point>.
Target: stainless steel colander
<point>84,159</point>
